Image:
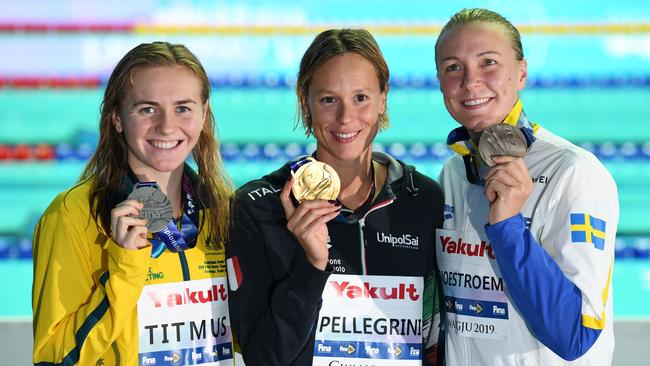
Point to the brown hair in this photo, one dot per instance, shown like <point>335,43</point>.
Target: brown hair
<point>331,43</point>
<point>108,166</point>
<point>467,16</point>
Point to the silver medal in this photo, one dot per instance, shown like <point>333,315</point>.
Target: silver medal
<point>501,139</point>
<point>157,208</point>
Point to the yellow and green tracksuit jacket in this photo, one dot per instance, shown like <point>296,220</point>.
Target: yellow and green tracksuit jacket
<point>86,287</point>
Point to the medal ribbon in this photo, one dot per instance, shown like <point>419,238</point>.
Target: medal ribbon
<point>300,162</point>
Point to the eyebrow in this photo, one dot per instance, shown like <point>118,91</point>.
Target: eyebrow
<point>487,53</point>
<point>477,55</point>
<point>329,91</point>
<point>151,102</point>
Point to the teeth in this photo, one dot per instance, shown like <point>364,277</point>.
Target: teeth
<point>476,101</point>
<point>345,135</point>
<point>165,145</point>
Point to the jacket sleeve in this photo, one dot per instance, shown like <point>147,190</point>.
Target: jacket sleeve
<point>562,289</point>
<point>434,340</point>
<point>79,310</point>
<point>272,317</point>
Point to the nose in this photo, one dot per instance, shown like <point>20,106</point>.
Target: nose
<point>471,77</point>
<point>165,123</point>
<point>345,113</point>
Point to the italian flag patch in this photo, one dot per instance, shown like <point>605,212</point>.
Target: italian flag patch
<point>234,273</point>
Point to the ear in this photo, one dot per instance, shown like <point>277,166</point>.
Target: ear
<point>117,123</point>
<point>304,106</point>
<point>383,99</point>
<point>523,74</point>
<point>206,110</point>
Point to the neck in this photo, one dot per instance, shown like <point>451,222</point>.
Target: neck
<point>169,183</point>
<point>356,178</point>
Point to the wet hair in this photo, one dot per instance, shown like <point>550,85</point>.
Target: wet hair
<point>468,16</point>
<point>108,166</point>
<point>331,43</point>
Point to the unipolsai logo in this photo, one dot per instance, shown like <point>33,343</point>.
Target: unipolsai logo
<point>403,241</point>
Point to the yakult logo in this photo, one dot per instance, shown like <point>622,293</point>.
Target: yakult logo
<point>464,248</point>
<point>400,292</point>
<point>189,296</point>
<point>404,241</point>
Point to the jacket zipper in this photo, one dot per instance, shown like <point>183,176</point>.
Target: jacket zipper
<point>362,223</point>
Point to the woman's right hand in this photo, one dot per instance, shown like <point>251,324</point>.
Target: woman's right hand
<point>127,230</point>
<point>308,224</point>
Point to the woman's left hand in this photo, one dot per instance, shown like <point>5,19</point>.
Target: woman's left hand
<point>507,186</point>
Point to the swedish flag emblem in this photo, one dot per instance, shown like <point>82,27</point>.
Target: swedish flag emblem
<point>588,229</point>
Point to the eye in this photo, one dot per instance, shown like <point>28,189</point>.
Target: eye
<point>327,100</point>
<point>452,67</point>
<point>147,110</point>
<point>360,98</point>
<point>182,109</point>
<point>489,62</point>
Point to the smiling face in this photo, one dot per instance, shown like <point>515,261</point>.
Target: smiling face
<point>344,102</point>
<point>161,116</point>
<point>479,74</point>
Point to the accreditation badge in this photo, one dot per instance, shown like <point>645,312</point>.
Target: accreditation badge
<point>475,301</point>
<point>185,323</point>
<point>370,320</point>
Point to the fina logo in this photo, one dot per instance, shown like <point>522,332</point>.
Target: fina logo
<point>348,349</point>
<point>322,348</point>
<point>175,359</point>
<point>405,241</point>
<point>449,211</point>
<point>395,351</point>
<point>477,308</point>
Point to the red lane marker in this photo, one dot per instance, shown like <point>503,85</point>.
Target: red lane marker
<point>44,152</point>
<point>32,82</point>
<point>22,152</point>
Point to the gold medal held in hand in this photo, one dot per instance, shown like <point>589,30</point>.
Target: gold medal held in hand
<point>314,180</point>
<point>501,139</point>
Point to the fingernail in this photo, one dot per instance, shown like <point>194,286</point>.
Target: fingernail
<point>332,201</point>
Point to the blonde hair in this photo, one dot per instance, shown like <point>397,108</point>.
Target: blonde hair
<point>477,15</point>
<point>334,42</point>
<point>108,166</point>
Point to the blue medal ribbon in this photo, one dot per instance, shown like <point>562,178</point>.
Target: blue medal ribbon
<point>171,237</point>
<point>300,162</point>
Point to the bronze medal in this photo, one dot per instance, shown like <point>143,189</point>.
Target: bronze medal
<point>501,139</point>
<point>157,208</point>
<point>315,180</point>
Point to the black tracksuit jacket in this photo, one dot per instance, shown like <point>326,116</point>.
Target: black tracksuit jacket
<point>275,307</point>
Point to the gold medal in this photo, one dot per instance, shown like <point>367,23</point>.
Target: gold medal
<point>501,139</point>
<point>314,180</point>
